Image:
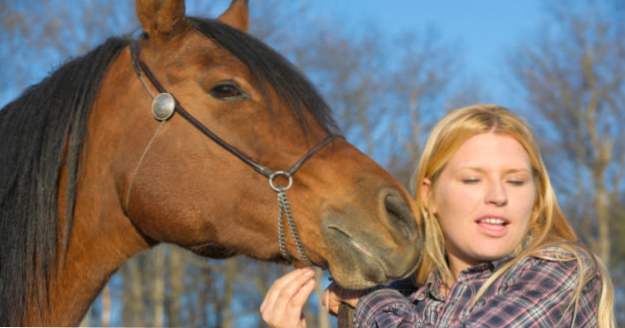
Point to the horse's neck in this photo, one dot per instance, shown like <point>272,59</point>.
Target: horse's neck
<point>102,237</point>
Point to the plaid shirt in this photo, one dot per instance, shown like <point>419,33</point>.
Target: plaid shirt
<point>536,292</point>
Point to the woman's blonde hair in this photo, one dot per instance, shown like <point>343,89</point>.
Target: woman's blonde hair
<point>548,226</point>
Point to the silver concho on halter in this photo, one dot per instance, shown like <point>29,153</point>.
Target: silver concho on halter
<point>163,106</point>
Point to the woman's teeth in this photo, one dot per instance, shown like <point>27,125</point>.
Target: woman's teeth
<point>497,221</point>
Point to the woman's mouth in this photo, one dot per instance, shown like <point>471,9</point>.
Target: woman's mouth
<point>493,226</point>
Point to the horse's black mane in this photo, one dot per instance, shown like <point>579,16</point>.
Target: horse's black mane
<point>43,130</point>
<point>40,131</point>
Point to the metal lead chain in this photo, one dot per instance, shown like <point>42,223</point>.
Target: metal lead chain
<point>281,236</point>
<point>284,209</point>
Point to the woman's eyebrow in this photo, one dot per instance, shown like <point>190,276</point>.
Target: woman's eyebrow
<point>517,170</point>
<point>508,171</point>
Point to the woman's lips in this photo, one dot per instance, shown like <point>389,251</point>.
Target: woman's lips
<point>493,226</point>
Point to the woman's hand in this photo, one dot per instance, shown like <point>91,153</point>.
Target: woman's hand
<point>283,303</point>
<point>334,295</point>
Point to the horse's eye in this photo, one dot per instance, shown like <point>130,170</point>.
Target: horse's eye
<point>227,91</point>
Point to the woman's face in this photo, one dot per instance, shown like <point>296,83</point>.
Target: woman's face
<point>483,199</point>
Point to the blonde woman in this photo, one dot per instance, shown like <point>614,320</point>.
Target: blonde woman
<point>498,252</point>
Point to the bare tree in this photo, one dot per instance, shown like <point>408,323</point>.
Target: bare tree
<point>467,92</point>
<point>105,297</point>
<point>574,77</point>
<point>383,90</point>
<point>132,297</point>
<point>323,318</point>
<point>176,268</point>
<point>158,286</point>
<point>38,35</point>
<point>230,277</point>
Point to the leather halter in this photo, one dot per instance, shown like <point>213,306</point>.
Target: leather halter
<point>142,69</point>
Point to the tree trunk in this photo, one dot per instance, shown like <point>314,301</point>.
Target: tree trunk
<point>105,296</point>
<point>132,296</point>
<point>86,320</point>
<point>323,320</point>
<point>158,287</point>
<point>261,281</point>
<point>176,281</point>
<point>229,281</point>
<point>206,297</point>
<point>603,242</point>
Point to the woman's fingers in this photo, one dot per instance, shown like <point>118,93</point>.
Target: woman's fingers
<point>287,291</point>
<point>299,299</point>
<point>282,306</point>
<point>293,309</point>
<point>277,289</point>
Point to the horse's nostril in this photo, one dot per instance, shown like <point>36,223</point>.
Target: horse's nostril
<point>399,214</point>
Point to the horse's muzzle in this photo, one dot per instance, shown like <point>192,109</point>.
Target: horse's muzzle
<point>367,249</point>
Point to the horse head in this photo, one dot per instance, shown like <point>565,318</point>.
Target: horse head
<point>183,187</point>
<point>195,134</point>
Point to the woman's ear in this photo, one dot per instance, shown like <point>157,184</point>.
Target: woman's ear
<point>428,195</point>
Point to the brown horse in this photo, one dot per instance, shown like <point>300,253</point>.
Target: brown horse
<point>89,177</point>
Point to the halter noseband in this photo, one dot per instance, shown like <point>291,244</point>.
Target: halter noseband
<point>165,104</point>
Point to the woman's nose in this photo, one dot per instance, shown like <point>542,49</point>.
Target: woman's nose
<point>496,194</point>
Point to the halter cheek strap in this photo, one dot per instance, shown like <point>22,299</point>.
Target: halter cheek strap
<point>165,104</point>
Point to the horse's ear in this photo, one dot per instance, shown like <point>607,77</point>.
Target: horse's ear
<point>237,15</point>
<point>160,17</point>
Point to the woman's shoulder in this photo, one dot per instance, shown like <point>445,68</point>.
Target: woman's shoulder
<point>560,264</point>
<point>563,251</point>
<point>566,255</point>
<point>551,282</point>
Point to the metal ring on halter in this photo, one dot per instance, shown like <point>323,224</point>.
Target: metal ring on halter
<point>277,174</point>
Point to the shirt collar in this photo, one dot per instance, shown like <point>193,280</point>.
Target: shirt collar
<point>432,286</point>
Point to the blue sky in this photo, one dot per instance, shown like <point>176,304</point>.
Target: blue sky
<point>484,30</point>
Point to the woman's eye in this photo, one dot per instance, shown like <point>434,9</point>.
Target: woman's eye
<point>227,91</point>
<point>516,182</point>
<point>470,181</point>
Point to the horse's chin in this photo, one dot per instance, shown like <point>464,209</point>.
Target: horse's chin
<point>359,274</point>
<point>355,281</point>
<point>355,264</point>
<point>364,276</point>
